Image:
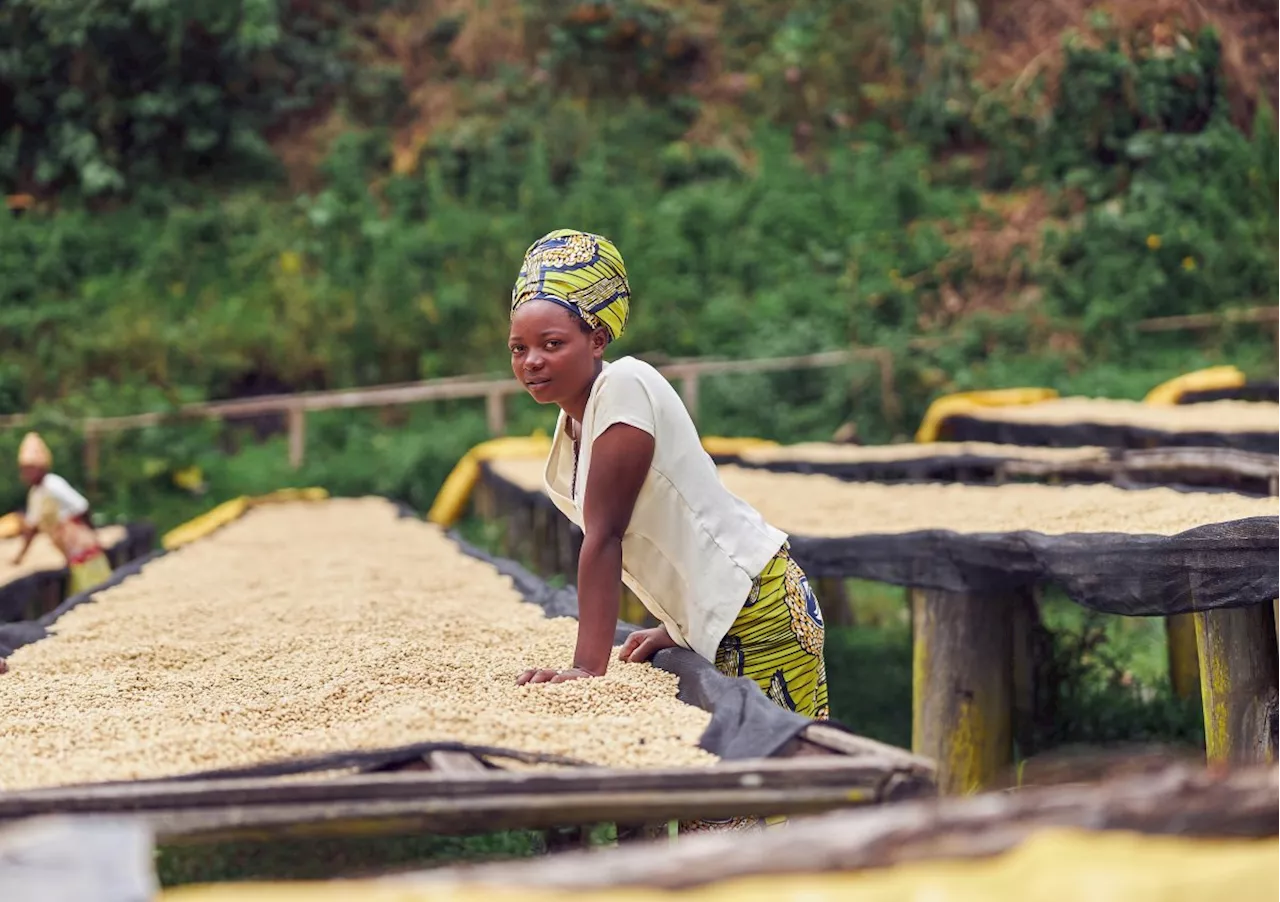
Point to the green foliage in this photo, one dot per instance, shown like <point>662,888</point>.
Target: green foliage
<point>333,858</point>
<point>105,97</point>
<point>1109,682</point>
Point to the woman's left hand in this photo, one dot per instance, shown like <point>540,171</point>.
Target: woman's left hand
<point>544,675</point>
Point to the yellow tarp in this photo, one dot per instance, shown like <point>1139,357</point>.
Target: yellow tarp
<point>230,511</point>
<point>1215,377</point>
<point>451,501</point>
<point>963,402</point>
<point>1052,866</point>
<point>10,525</point>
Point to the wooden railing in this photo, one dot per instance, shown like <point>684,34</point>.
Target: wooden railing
<point>494,389</point>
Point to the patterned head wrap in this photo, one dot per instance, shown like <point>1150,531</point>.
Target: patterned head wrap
<point>581,272</point>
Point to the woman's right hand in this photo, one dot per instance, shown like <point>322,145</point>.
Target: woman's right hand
<point>644,644</point>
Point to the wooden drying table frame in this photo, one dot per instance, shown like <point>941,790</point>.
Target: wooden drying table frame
<point>973,685</point>
<point>1226,469</point>
<point>1174,801</point>
<point>456,792</point>
<point>36,594</point>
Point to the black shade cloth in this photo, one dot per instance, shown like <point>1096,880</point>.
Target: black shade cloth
<point>1222,565</point>
<point>1260,390</point>
<point>966,468</point>
<point>18,596</point>
<point>1076,435</point>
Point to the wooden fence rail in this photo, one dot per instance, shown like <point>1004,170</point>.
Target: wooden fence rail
<point>494,389</point>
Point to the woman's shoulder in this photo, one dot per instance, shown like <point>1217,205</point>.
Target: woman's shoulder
<point>631,368</point>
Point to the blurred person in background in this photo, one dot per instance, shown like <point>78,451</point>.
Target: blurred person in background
<point>62,514</point>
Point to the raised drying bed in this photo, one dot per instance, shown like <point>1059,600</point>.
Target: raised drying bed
<point>978,552</point>
<point>1073,422</point>
<point>985,463</point>
<point>332,642</point>
<point>39,584</point>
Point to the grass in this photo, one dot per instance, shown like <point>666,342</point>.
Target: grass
<point>326,858</point>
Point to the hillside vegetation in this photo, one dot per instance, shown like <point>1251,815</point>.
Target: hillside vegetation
<point>210,200</point>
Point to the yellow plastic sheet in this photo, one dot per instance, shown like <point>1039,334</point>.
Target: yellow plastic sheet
<point>720,446</point>
<point>1052,866</point>
<point>963,402</point>
<point>1214,377</point>
<point>230,511</point>
<point>451,501</point>
<point>10,525</point>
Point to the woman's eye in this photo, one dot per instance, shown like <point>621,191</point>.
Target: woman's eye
<point>553,343</point>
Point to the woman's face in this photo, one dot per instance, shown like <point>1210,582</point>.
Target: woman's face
<point>31,475</point>
<point>553,353</point>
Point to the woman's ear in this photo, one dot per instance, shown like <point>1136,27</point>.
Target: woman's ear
<point>599,339</point>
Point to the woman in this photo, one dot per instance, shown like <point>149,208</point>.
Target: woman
<point>627,466</point>
<point>61,513</point>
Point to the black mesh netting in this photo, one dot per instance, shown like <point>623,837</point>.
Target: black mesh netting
<point>1260,390</point>
<point>1075,435</point>
<point>20,596</point>
<point>1223,565</point>
<point>744,723</point>
<point>966,468</point>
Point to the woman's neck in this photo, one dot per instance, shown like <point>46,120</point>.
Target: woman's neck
<point>576,408</point>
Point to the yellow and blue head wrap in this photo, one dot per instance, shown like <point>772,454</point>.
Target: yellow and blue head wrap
<point>581,272</point>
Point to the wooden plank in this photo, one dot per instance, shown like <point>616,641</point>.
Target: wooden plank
<point>77,860</point>
<point>449,388</point>
<point>495,412</point>
<point>962,687</point>
<point>1227,460</point>
<point>1238,683</point>
<point>1178,801</point>
<point>689,395</point>
<point>837,773</point>
<point>487,813</point>
<point>854,746</point>
<point>1195,322</point>
<point>297,419</point>
<point>446,762</point>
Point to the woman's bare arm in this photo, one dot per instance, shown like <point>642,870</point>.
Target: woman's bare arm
<point>620,460</point>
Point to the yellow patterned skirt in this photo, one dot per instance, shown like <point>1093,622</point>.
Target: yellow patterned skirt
<point>86,574</point>
<point>776,641</point>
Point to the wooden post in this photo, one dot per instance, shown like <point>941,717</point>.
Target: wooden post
<point>1026,629</point>
<point>297,419</point>
<point>689,394</point>
<point>92,456</point>
<point>1238,683</point>
<point>962,687</point>
<point>833,598</point>
<point>495,412</point>
<point>1184,660</point>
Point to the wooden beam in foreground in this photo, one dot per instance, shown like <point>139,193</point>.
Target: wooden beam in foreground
<point>1178,801</point>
